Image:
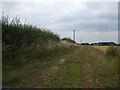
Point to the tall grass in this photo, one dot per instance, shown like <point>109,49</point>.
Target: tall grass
<point>16,34</point>
<point>18,38</point>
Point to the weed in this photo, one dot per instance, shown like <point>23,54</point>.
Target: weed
<point>112,51</point>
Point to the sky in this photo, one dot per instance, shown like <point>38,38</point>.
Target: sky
<point>93,21</point>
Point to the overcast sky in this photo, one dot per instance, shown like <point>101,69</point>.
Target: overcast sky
<point>93,21</point>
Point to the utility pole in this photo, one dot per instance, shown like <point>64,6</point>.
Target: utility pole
<point>74,35</point>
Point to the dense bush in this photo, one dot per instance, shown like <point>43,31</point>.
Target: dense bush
<point>16,35</point>
<point>22,40</point>
<point>112,51</point>
<point>69,40</point>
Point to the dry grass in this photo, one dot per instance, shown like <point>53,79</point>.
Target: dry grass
<point>102,48</point>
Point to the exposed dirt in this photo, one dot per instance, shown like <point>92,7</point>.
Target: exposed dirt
<point>49,70</point>
<point>46,72</point>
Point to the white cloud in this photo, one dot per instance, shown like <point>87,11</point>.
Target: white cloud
<point>97,36</point>
<point>90,19</point>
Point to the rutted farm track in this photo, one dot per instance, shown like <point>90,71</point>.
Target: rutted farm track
<point>85,67</point>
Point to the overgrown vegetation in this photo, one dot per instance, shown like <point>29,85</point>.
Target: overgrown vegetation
<point>112,51</point>
<point>68,39</point>
<point>16,35</point>
<point>18,39</point>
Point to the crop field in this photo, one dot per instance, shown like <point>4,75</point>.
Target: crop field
<point>102,48</point>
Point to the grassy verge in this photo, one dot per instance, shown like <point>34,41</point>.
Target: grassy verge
<point>22,75</point>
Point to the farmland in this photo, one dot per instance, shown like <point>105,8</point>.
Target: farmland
<point>102,48</point>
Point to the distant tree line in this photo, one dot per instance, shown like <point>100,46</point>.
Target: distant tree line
<point>102,44</point>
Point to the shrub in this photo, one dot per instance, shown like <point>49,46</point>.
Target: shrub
<point>112,51</point>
